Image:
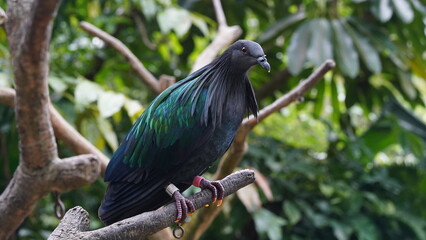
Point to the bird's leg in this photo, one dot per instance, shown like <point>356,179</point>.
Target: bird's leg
<point>215,187</point>
<point>183,205</point>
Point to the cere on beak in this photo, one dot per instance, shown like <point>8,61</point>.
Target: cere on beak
<point>264,63</point>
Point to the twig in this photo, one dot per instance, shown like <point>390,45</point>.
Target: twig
<point>275,83</point>
<point>63,130</point>
<point>220,15</point>
<point>76,221</point>
<point>143,32</point>
<point>225,36</point>
<point>144,75</point>
<point>293,95</point>
<point>203,218</point>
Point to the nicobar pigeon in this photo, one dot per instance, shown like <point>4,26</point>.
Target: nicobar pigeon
<point>179,136</point>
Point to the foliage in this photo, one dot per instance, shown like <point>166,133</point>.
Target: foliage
<point>347,163</point>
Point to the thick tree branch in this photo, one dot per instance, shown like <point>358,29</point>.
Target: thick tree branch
<point>63,130</point>
<point>203,218</point>
<point>73,172</point>
<point>29,30</point>
<point>225,36</point>
<point>143,74</point>
<point>29,185</point>
<point>40,171</point>
<point>75,223</point>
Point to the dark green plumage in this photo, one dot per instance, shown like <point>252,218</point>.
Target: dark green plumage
<point>184,130</point>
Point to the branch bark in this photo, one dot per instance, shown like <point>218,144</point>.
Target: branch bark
<point>29,30</point>
<point>273,84</point>
<point>76,221</point>
<point>203,218</point>
<point>143,74</point>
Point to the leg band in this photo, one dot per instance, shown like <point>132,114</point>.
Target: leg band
<point>197,181</point>
<point>170,189</point>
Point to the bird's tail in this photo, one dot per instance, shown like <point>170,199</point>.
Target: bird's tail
<point>123,200</point>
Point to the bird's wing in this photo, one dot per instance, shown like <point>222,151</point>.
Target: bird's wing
<point>163,135</point>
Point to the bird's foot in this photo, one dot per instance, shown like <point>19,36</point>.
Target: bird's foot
<point>215,187</point>
<point>184,206</point>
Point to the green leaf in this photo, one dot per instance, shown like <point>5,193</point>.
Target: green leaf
<point>419,6</point>
<point>320,47</point>
<point>383,10</point>
<point>364,228</point>
<point>298,47</point>
<point>346,55</point>
<point>278,27</point>
<point>415,223</point>
<point>403,10</point>
<point>369,54</point>
<point>341,231</point>
<point>268,223</point>
<point>133,108</point>
<point>292,212</point>
<point>407,84</point>
<point>149,8</point>
<point>110,103</point>
<point>176,19</point>
<point>327,190</point>
<point>86,92</point>
<point>57,84</point>
<point>335,101</point>
<point>406,119</point>
<point>89,129</point>
<point>108,133</point>
<point>199,22</point>
<point>319,100</point>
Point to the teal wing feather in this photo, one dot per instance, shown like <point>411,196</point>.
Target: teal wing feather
<point>162,135</point>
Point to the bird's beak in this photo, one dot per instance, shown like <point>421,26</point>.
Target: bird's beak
<point>264,63</point>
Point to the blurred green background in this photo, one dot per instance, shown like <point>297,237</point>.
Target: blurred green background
<point>347,163</point>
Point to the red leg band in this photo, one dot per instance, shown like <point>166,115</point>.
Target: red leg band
<point>197,181</point>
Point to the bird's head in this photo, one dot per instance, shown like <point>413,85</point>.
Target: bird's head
<point>247,53</point>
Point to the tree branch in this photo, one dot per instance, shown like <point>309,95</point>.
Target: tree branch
<point>273,84</point>
<point>40,171</point>
<point>144,75</point>
<point>291,96</point>
<point>76,221</point>
<point>225,36</point>
<point>220,14</point>
<point>63,130</point>
<point>29,31</point>
<point>203,218</point>
<point>142,31</point>
<point>73,172</point>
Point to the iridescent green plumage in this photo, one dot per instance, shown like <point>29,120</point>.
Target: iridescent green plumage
<point>184,130</point>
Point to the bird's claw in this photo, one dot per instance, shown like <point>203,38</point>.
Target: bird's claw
<point>216,188</point>
<point>184,207</point>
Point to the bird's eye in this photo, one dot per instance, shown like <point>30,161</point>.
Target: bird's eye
<point>244,50</point>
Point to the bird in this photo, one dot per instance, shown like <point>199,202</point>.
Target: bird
<point>180,135</point>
